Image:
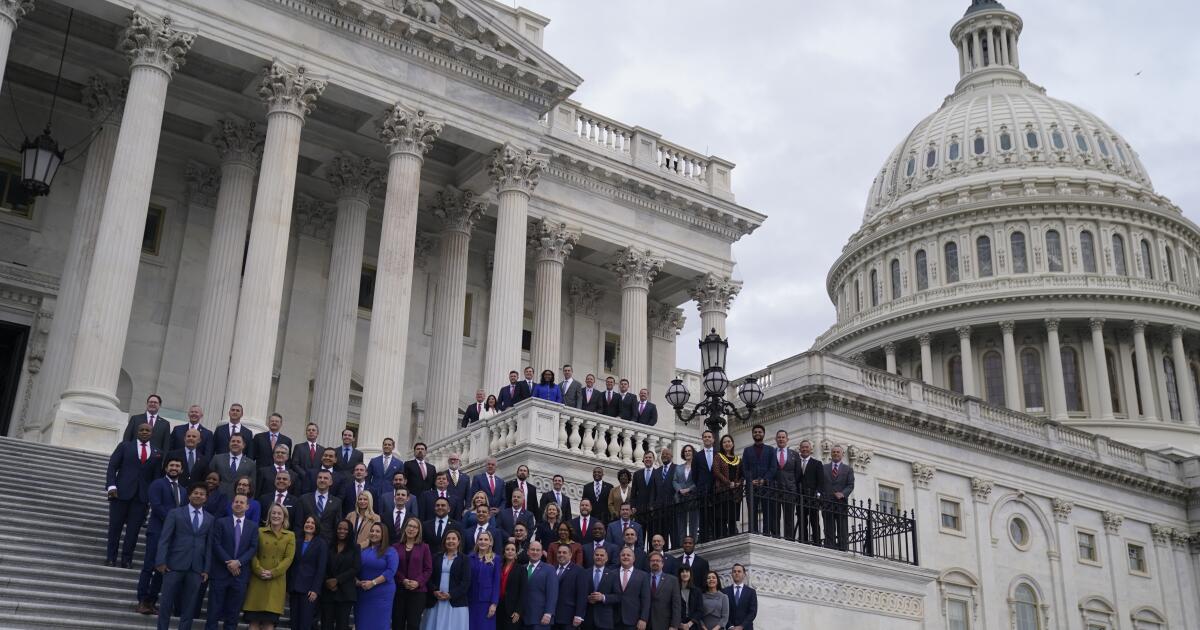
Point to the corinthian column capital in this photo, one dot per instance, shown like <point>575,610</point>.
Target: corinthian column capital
<point>237,142</point>
<point>14,10</point>
<point>353,176</point>
<point>714,293</point>
<point>103,96</point>
<point>635,269</point>
<point>289,89</point>
<point>665,321</point>
<point>407,130</point>
<point>151,41</point>
<point>552,241</point>
<point>458,209</point>
<point>203,184</point>
<point>313,217</point>
<point>516,169</point>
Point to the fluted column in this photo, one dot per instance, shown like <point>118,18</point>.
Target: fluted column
<point>155,49</point>
<point>889,354</point>
<point>104,100</point>
<point>714,295</point>
<point>458,211</point>
<point>1012,379</point>
<point>354,179</point>
<point>967,360</point>
<point>1101,362</point>
<point>551,244</point>
<point>408,136</point>
<point>11,12</point>
<point>239,146</point>
<point>924,340</point>
<point>1058,390</point>
<point>1183,377</point>
<point>635,271</point>
<point>516,174</point>
<point>1142,357</point>
<point>289,94</point>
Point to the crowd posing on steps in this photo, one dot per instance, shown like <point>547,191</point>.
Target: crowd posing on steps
<point>260,523</point>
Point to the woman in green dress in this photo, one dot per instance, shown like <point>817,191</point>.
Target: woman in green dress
<point>268,571</point>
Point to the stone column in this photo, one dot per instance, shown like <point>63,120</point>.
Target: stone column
<point>87,416</point>
<point>240,146</point>
<point>714,295</point>
<point>1183,377</point>
<point>967,360</point>
<point>354,179</point>
<point>889,354</point>
<point>458,211</point>
<point>1142,358</point>
<point>408,136</point>
<point>516,174</point>
<point>289,94</point>
<point>635,271</point>
<point>1012,378</point>
<point>104,100</point>
<point>551,244</point>
<point>664,322</point>
<point>11,12</point>
<point>1058,390</point>
<point>1101,361</point>
<point>924,340</point>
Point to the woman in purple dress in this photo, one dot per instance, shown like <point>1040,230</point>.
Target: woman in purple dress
<point>412,576</point>
<point>485,584</point>
<point>376,582</point>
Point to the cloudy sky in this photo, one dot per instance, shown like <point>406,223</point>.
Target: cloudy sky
<point>809,97</point>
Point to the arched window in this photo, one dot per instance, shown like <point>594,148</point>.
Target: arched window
<point>1170,260</point>
<point>874,288</point>
<point>1172,388</point>
<point>1031,139</point>
<point>980,145</point>
<point>1114,390</point>
<point>1147,263</point>
<point>951,262</point>
<point>1054,259</point>
<point>1056,138</point>
<point>1147,619</point>
<point>922,270</point>
<point>983,254</point>
<point>1025,609</point>
<point>857,297</point>
<point>1087,251</point>
<point>1118,245</point>
<point>954,369</point>
<point>895,272</point>
<point>1031,380</point>
<point>1005,140</point>
<point>931,158</point>
<point>1081,142</point>
<point>993,378</point>
<point>954,151</point>
<point>1071,379</point>
<point>1019,259</point>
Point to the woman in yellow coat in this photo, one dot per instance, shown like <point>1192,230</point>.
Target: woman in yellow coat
<point>268,571</point>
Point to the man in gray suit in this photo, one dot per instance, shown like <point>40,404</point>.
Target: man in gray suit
<point>571,389</point>
<point>787,480</point>
<point>233,464</point>
<point>835,491</point>
<point>634,605</point>
<point>183,553</point>
<point>664,596</point>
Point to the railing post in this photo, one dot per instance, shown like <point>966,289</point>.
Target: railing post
<point>912,535</point>
<point>869,539</point>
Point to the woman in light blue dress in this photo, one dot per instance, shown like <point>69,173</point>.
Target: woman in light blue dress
<point>450,586</point>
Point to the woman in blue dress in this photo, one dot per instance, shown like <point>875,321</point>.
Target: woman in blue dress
<point>376,582</point>
<point>449,586</point>
<point>547,389</point>
<point>485,583</point>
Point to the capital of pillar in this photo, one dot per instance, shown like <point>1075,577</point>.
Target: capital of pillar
<point>354,177</point>
<point>1052,324</point>
<point>1177,332</point>
<point>104,98</point>
<point>406,130</point>
<point>665,321</point>
<point>1096,324</point>
<point>1139,326</point>
<point>457,209</point>
<point>203,184</point>
<point>289,89</point>
<point>1007,327</point>
<point>924,339</point>
<point>313,217</point>
<point>237,142</point>
<point>551,241</point>
<point>889,348</point>
<point>516,169</point>
<point>635,269</point>
<point>154,42</point>
<point>714,293</point>
<point>964,332</point>
<point>14,10</point>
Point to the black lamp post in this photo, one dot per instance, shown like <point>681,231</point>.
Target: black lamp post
<point>714,407</point>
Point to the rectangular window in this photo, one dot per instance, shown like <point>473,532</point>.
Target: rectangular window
<point>889,498</point>
<point>13,198</point>
<point>152,235</point>
<point>957,616</point>
<point>1137,559</point>
<point>366,288</point>
<point>612,345</point>
<point>527,337</point>
<point>1087,547</point>
<point>951,515</point>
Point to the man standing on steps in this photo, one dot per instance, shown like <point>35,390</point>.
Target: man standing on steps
<point>160,428</point>
<point>233,427</point>
<point>234,543</point>
<point>263,444</point>
<point>347,456</point>
<point>195,462</point>
<point>307,455</point>
<point>166,494</point>
<point>179,434</point>
<point>183,557</point>
<point>131,468</point>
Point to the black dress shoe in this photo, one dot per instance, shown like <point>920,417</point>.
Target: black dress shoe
<point>127,565</point>
<point>110,563</point>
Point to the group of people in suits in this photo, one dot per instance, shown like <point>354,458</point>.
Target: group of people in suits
<point>615,400</point>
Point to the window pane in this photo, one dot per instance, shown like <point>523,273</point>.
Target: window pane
<point>1057,138</point>
<point>954,367</point>
<point>1118,244</point>
<point>954,151</point>
<point>1071,381</point>
<point>366,288</point>
<point>14,199</point>
<point>951,515</point>
<point>993,378</point>
<point>895,271</point>
<point>911,167</point>
<point>980,145</point>
<point>1031,380</point>
<point>1147,263</point>
<point>1031,140</point>
<point>1005,142</point>
<point>1026,616</point>
<point>1081,142</point>
<point>983,251</point>
<point>922,271</point>
<point>1054,258</point>
<point>1087,249</point>
<point>152,233</point>
<point>930,158</point>
<point>951,263</point>
<point>1087,546</point>
<point>1114,391</point>
<point>1172,388</point>
<point>956,615</point>
<point>1020,262</point>
<point>889,498</point>
<point>1137,558</point>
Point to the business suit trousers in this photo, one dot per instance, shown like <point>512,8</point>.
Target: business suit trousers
<point>836,524</point>
<point>809,518</point>
<point>179,592</point>
<point>302,611</point>
<point>149,581</point>
<point>407,608</point>
<point>225,599</point>
<point>128,516</point>
<point>335,615</point>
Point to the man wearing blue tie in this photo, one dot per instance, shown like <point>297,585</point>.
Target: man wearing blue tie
<point>165,495</point>
<point>183,554</point>
<point>743,600</point>
<point>234,543</point>
<point>604,593</point>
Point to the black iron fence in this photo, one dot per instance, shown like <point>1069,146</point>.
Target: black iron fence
<point>848,525</point>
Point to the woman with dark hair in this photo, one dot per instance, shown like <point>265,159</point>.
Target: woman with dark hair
<point>268,571</point>
<point>512,591</point>
<point>376,582</point>
<point>305,575</point>
<point>547,528</point>
<point>727,474</point>
<point>217,501</point>
<point>412,576</point>
<point>521,539</point>
<point>714,605</point>
<point>447,607</point>
<point>547,389</point>
<point>623,493</point>
<point>691,609</point>
<point>564,540</point>
<point>684,484</point>
<point>490,408</point>
<point>244,485</point>
<point>337,599</point>
<point>485,583</point>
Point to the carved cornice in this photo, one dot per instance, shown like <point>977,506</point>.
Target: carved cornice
<point>14,10</point>
<point>1113,522</point>
<point>552,241</point>
<point>150,41</point>
<point>516,169</point>
<point>289,90</point>
<point>354,177</point>
<point>1161,534</point>
<point>238,142</point>
<point>584,296</point>
<point>665,321</point>
<point>457,209</point>
<point>406,130</point>
<point>714,293</point>
<point>797,586</point>
<point>922,474</point>
<point>1062,509</point>
<point>105,97</point>
<point>634,268</point>
<point>313,217</point>
<point>203,184</point>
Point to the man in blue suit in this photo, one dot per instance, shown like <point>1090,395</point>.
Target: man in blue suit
<point>183,555</point>
<point>482,522</point>
<point>166,494</point>
<point>179,434</point>
<point>512,393</point>
<point>603,592</point>
<point>234,543</point>
<point>508,517</point>
<point>382,468</point>
<point>233,427</point>
<point>490,484</point>
<point>702,464</point>
<point>132,466</point>
<point>616,529</point>
<point>460,483</point>
<point>761,468</point>
<point>195,462</point>
<point>541,591</point>
<point>743,600</point>
<point>634,585</point>
<point>572,591</point>
<point>595,542</point>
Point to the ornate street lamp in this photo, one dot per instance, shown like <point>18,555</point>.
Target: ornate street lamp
<point>41,157</point>
<point>714,407</point>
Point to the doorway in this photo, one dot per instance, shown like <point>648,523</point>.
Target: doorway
<point>13,338</point>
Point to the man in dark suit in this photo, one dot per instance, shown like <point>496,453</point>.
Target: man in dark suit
<point>664,595</point>
<point>641,497</point>
<point>510,394</point>
<point>132,466</point>
<point>571,605</point>
<point>610,401</point>
<point>743,600</point>
<point>233,427</point>
<point>352,486</point>
<point>541,591</point>
<point>265,442</point>
<point>597,492</point>
<point>628,400</point>
<point>581,525</point>
<point>759,468</point>
<point>690,558</point>
<point>810,477</point>
<point>160,428</point>
<point>526,383</point>
<point>557,495</point>
<point>481,522</point>
<point>232,464</point>
<point>179,434</point>
<point>382,468</point>
<point>322,505</point>
<point>183,556</point>
<point>644,411</point>
<point>570,389</point>
<point>616,529</point>
<point>460,483</point>
<point>508,517</point>
<point>589,398</point>
<point>471,414</point>
<point>234,543</point>
<point>702,464</point>
<point>604,592</point>
<point>420,474</point>
<point>634,584</point>
<point>278,464</point>
<point>664,496</point>
<point>629,540</point>
<point>441,523</point>
<point>328,464</point>
<point>787,476</point>
<point>441,490</point>
<point>307,454</point>
<point>836,486</point>
<point>347,455</point>
<point>490,484</point>
<point>195,462</point>
<point>393,511</point>
<point>281,494</point>
<point>523,484</point>
<point>166,494</point>
<point>597,540</point>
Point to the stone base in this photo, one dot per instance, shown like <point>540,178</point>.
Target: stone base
<point>88,423</point>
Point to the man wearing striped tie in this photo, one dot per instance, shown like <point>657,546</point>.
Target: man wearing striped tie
<point>836,489</point>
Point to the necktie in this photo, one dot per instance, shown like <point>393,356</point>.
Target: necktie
<point>737,593</point>
<point>492,483</point>
<point>320,504</point>
<point>523,491</point>
<point>560,570</point>
<point>529,571</point>
<point>835,470</point>
<point>279,498</point>
<point>512,389</point>
<point>422,469</point>
<point>624,526</point>
<point>398,521</point>
<point>441,494</point>
<point>597,486</point>
<point>312,453</point>
<point>454,476</point>
<point>624,578</point>
<point>237,534</point>
<point>608,397</point>
<point>143,455</point>
<point>175,492</point>
<point>387,462</point>
<point>641,408</point>
<point>191,457</point>
<point>596,575</point>
<point>358,488</point>
<point>647,476</point>
<point>585,526</point>
<point>654,585</point>
<point>687,561</point>
<point>665,470</point>
<point>782,458</point>
<point>233,464</point>
<point>441,524</point>
<point>195,520</point>
<point>479,529</point>
<point>150,421</point>
<point>279,469</point>
<point>274,438</point>
<point>346,454</point>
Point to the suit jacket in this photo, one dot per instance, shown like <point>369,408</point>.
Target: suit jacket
<point>460,580</point>
<point>642,497</point>
<point>589,550</point>
<point>346,466</point>
<point>262,445</point>
<point>498,536</point>
<point>505,399</point>
<point>417,483</point>
<point>380,479</point>
<point>616,532</point>
<point>629,401</point>
<point>479,483</point>
<point>425,504</point>
<point>600,614</point>
<point>572,395</point>
<point>564,506</point>
<point>699,566</point>
<point>223,549</point>
<point>593,404</point>
<point>844,482</point>
<point>579,532</point>
<point>387,517</point>
<point>647,416</point>
<point>344,568</point>
<point>198,470</point>
<point>541,594</point>
<point>308,568</point>
<point>160,434</point>
<point>759,466</point>
<point>599,503</point>
<point>702,470</point>
<point>303,456</point>
<point>220,464</point>
<point>610,405</point>
<point>429,531</point>
<point>266,479</point>
<point>290,501</point>
<point>531,496</point>
<point>180,432</point>
<point>572,594</point>
<point>664,485</point>
<point>471,414</point>
<point>812,477</point>
<point>507,522</point>
<point>787,477</point>
<point>463,487</point>
<point>327,519</point>
<point>182,547</point>
<point>635,597</point>
<point>670,563</point>
<point>615,500</point>
<point>221,439</point>
<point>743,611</point>
<point>665,602</point>
<point>514,593</point>
<point>130,476</point>
<point>162,501</point>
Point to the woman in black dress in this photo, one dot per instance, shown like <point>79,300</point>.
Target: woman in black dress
<point>512,591</point>
<point>341,573</point>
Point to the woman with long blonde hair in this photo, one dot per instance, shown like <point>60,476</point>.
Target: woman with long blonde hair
<point>485,583</point>
<point>362,518</point>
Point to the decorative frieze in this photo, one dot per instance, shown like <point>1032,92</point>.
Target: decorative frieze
<point>1161,534</point>
<point>801,587</point>
<point>584,297</point>
<point>424,247</point>
<point>313,217</point>
<point>150,41</point>
<point>922,474</point>
<point>860,457</point>
<point>203,184</point>
<point>291,90</point>
<point>104,97</point>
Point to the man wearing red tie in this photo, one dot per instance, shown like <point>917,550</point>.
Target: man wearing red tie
<point>610,401</point>
<point>307,455</point>
<point>419,473</point>
<point>473,410</point>
<point>160,428</point>
<point>131,469</point>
